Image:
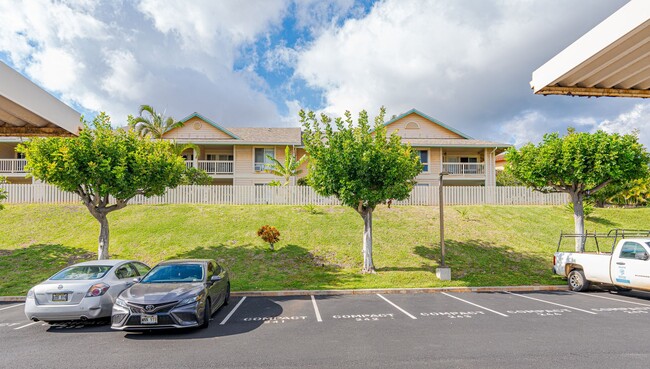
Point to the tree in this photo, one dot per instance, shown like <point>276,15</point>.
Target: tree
<point>360,165</point>
<point>287,169</point>
<point>579,164</point>
<point>154,124</point>
<point>105,167</point>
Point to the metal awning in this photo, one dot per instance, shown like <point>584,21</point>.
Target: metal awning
<point>613,59</point>
<point>28,110</point>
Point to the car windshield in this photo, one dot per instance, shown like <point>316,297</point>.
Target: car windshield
<point>175,273</point>
<point>82,272</point>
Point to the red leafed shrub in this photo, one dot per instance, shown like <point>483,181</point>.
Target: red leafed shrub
<point>269,234</point>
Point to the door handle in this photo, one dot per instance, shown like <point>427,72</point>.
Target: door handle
<point>620,263</point>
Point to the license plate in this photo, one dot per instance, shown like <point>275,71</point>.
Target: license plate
<point>149,319</point>
<point>56,297</point>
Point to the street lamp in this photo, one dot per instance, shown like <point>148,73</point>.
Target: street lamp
<point>442,272</point>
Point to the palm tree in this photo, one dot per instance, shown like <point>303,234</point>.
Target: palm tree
<point>289,168</point>
<point>155,125</point>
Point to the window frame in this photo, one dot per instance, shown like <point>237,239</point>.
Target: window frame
<point>427,167</point>
<point>265,163</point>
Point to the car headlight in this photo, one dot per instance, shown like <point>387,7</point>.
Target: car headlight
<point>30,293</point>
<point>190,300</point>
<point>120,302</point>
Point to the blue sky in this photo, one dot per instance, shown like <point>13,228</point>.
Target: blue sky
<point>256,63</point>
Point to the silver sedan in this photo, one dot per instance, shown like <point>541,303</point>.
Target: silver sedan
<point>82,291</point>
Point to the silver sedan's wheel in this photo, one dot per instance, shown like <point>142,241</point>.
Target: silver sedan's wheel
<point>577,281</point>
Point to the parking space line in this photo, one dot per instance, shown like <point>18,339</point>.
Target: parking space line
<point>471,303</point>
<point>610,298</point>
<point>552,303</point>
<point>12,306</point>
<point>398,308</point>
<point>232,311</point>
<point>313,301</point>
<point>26,325</point>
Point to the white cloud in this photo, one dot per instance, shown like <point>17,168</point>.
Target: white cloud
<point>125,79</point>
<point>635,120</point>
<point>55,68</point>
<point>466,63</point>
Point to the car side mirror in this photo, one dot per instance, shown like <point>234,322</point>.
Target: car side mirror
<point>641,255</point>
<point>215,278</point>
<point>137,280</point>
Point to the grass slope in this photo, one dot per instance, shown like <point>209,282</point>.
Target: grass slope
<point>486,245</point>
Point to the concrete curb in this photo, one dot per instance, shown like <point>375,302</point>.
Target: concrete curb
<point>368,291</point>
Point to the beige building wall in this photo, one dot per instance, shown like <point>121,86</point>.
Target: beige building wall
<point>431,176</point>
<point>245,174</point>
<point>415,126</point>
<point>197,128</point>
<point>8,150</point>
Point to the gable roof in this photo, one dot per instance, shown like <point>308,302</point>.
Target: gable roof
<point>431,119</point>
<point>288,136</point>
<point>215,125</point>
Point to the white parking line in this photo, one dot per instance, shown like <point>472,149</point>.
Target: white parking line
<point>610,298</point>
<point>471,303</point>
<point>232,311</point>
<point>26,325</point>
<point>12,306</point>
<point>313,301</point>
<point>398,308</point>
<point>552,303</point>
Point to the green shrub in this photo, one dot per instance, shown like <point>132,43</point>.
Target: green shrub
<point>587,206</point>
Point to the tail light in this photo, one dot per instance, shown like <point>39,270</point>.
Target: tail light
<point>554,259</point>
<point>97,289</point>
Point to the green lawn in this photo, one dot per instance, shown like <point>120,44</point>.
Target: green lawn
<point>486,245</point>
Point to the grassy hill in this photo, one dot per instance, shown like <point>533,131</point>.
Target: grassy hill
<point>320,247</point>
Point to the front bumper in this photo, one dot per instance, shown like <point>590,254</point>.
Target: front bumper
<point>87,308</point>
<point>128,319</point>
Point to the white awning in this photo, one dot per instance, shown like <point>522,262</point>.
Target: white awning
<point>28,110</point>
<point>613,59</point>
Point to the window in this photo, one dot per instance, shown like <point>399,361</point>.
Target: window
<point>412,125</point>
<point>210,269</point>
<point>141,268</point>
<point>424,159</point>
<point>262,162</point>
<point>187,157</point>
<point>630,249</point>
<point>20,155</point>
<point>226,157</point>
<point>126,271</point>
<point>82,272</point>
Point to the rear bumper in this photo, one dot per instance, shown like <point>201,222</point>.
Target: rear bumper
<point>88,308</point>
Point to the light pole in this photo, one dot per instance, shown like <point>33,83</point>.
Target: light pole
<point>442,272</point>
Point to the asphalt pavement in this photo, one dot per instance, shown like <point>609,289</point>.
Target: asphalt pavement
<point>438,330</point>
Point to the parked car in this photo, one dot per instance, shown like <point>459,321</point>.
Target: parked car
<point>82,291</point>
<point>626,267</point>
<point>174,294</point>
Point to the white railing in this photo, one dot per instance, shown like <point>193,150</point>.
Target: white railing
<point>213,166</point>
<point>295,195</point>
<point>464,169</point>
<point>12,166</point>
<point>216,166</point>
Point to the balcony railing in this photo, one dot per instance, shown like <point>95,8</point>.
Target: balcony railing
<point>9,166</point>
<point>464,169</point>
<point>213,166</point>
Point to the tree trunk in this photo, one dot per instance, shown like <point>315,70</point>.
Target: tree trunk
<point>102,249</point>
<point>579,220</point>
<point>368,266</point>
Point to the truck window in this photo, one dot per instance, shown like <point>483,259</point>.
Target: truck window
<point>629,250</point>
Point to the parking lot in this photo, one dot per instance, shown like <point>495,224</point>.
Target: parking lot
<point>497,329</point>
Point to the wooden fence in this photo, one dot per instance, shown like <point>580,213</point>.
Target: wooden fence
<point>293,195</point>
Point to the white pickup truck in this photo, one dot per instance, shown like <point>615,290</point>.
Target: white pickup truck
<point>626,267</point>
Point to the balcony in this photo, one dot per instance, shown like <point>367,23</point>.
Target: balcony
<point>213,167</point>
<point>12,166</point>
<point>464,169</point>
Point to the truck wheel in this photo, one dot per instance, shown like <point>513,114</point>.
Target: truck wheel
<point>577,281</point>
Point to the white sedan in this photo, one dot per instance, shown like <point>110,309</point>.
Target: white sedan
<point>82,291</point>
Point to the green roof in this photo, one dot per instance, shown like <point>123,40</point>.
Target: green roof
<point>431,119</point>
<point>215,125</point>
